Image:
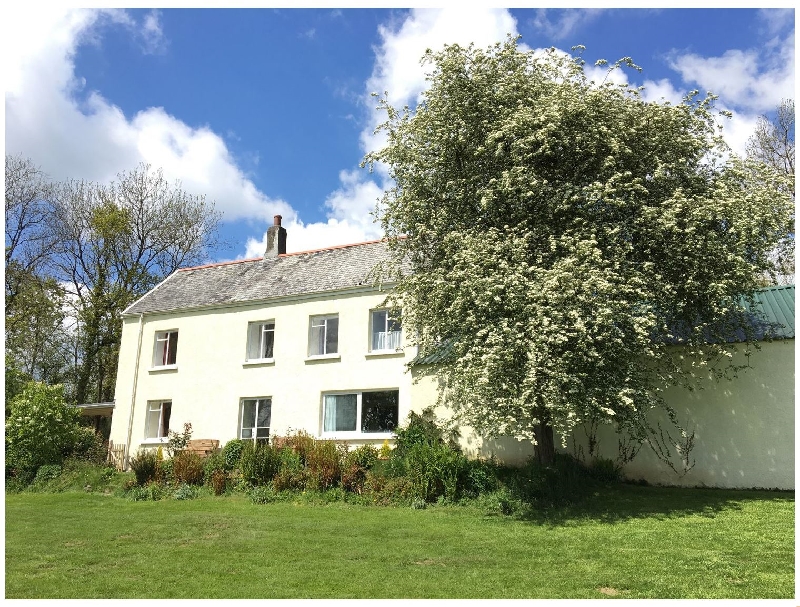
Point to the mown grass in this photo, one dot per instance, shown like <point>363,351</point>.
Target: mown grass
<point>624,542</point>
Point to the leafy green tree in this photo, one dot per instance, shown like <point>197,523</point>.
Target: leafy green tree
<point>40,429</point>
<point>562,234</point>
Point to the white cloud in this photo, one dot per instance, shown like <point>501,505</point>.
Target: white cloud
<point>569,21</point>
<point>776,20</point>
<point>754,80</point>
<point>397,67</point>
<point>93,139</point>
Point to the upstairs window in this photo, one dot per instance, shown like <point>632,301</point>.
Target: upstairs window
<point>361,412</point>
<point>386,331</point>
<point>260,340</point>
<point>166,348</point>
<point>256,417</point>
<point>323,335</point>
<point>158,414</point>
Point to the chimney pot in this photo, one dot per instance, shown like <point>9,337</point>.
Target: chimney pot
<point>277,220</point>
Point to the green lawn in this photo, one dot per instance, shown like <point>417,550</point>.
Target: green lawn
<point>631,542</point>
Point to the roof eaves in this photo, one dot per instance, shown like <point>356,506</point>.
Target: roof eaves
<point>269,300</point>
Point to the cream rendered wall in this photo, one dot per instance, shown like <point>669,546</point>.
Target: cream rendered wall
<point>744,428</point>
<point>212,376</point>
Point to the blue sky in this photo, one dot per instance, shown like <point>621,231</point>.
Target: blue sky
<point>268,111</point>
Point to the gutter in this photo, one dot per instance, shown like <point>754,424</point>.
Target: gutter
<point>133,394</point>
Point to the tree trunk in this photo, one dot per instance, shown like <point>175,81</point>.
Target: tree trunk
<point>545,450</point>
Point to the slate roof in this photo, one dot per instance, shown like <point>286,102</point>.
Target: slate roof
<point>260,279</point>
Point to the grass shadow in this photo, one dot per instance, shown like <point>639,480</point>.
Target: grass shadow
<point>620,502</point>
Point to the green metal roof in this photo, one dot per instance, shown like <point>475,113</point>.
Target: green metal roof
<point>775,303</point>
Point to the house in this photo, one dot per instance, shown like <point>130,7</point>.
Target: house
<point>303,341</point>
<point>250,348</point>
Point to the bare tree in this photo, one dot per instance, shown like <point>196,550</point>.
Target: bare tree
<point>28,240</point>
<point>772,143</point>
<point>773,140</point>
<point>116,242</point>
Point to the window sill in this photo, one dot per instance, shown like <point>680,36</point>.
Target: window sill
<point>161,368</point>
<point>384,353</point>
<point>258,362</point>
<point>359,436</point>
<point>155,441</point>
<point>323,358</point>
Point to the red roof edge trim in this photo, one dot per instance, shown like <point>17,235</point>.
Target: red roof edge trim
<point>221,263</point>
<point>339,246</point>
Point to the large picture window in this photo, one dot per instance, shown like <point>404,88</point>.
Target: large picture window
<point>260,340</point>
<point>166,348</point>
<point>256,417</point>
<point>323,337</point>
<point>158,414</point>
<point>360,412</point>
<point>386,331</point>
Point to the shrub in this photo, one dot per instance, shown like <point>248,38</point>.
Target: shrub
<point>212,463</point>
<point>259,463</point>
<point>186,492</point>
<point>566,481</point>
<point>144,465</point>
<point>500,502</point>
<point>231,453</point>
<point>178,440</point>
<point>218,481</point>
<point>187,468</point>
<point>262,495</point>
<point>355,466</point>
<point>480,476</point>
<point>150,492</point>
<point>291,475</point>
<point>423,429</point>
<point>47,473</point>
<point>605,470</point>
<point>434,470</point>
<point>155,491</point>
<point>138,494</point>
<point>40,429</point>
<point>300,442</point>
<point>166,471</point>
<point>89,446</point>
<point>418,504</point>
<point>323,465</point>
<point>387,491</point>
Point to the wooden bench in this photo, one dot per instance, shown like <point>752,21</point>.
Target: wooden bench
<point>203,446</point>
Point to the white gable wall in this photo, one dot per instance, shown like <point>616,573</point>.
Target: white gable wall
<point>211,375</point>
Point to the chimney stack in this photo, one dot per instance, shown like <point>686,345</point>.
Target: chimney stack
<point>276,239</point>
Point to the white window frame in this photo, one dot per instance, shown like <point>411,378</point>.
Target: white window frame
<point>357,433</point>
<point>154,406</point>
<point>262,330</point>
<point>256,427</point>
<point>322,318</point>
<point>160,356</point>
<point>372,333</point>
